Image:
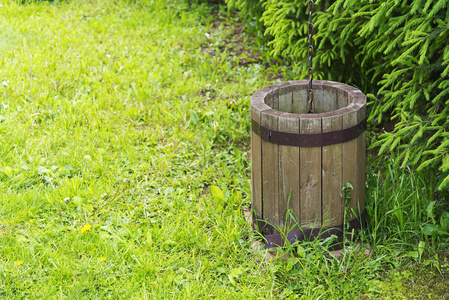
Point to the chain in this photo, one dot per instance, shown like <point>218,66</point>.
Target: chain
<point>310,6</point>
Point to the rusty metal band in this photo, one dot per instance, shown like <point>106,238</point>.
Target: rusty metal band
<point>276,240</point>
<point>308,140</point>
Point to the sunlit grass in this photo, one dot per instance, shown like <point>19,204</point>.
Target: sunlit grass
<point>116,118</point>
<point>114,124</point>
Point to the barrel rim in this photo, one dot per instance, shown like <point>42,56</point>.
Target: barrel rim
<point>358,99</point>
<point>268,130</point>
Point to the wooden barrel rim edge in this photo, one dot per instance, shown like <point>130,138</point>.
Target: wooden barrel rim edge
<point>357,97</point>
<point>317,84</point>
<point>326,137</point>
<point>266,109</point>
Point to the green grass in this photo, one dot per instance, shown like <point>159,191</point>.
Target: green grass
<point>116,118</point>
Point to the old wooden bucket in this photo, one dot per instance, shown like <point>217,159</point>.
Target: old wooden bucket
<point>301,161</point>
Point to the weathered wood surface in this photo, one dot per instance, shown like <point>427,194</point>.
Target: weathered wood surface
<point>299,94</point>
<point>285,99</point>
<point>330,100</point>
<point>332,204</point>
<point>270,171</point>
<point>318,99</point>
<point>307,180</point>
<point>359,99</point>
<point>289,169</point>
<point>310,177</point>
<point>350,159</point>
<point>342,98</point>
<point>256,169</point>
<point>258,105</point>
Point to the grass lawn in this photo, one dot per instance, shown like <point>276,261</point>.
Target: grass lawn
<point>116,120</point>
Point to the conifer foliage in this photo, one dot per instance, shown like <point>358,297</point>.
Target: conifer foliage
<point>396,51</point>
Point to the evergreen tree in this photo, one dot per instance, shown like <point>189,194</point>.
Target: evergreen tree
<point>396,51</point>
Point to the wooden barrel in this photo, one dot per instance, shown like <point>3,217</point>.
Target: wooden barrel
<point>301,161</point>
